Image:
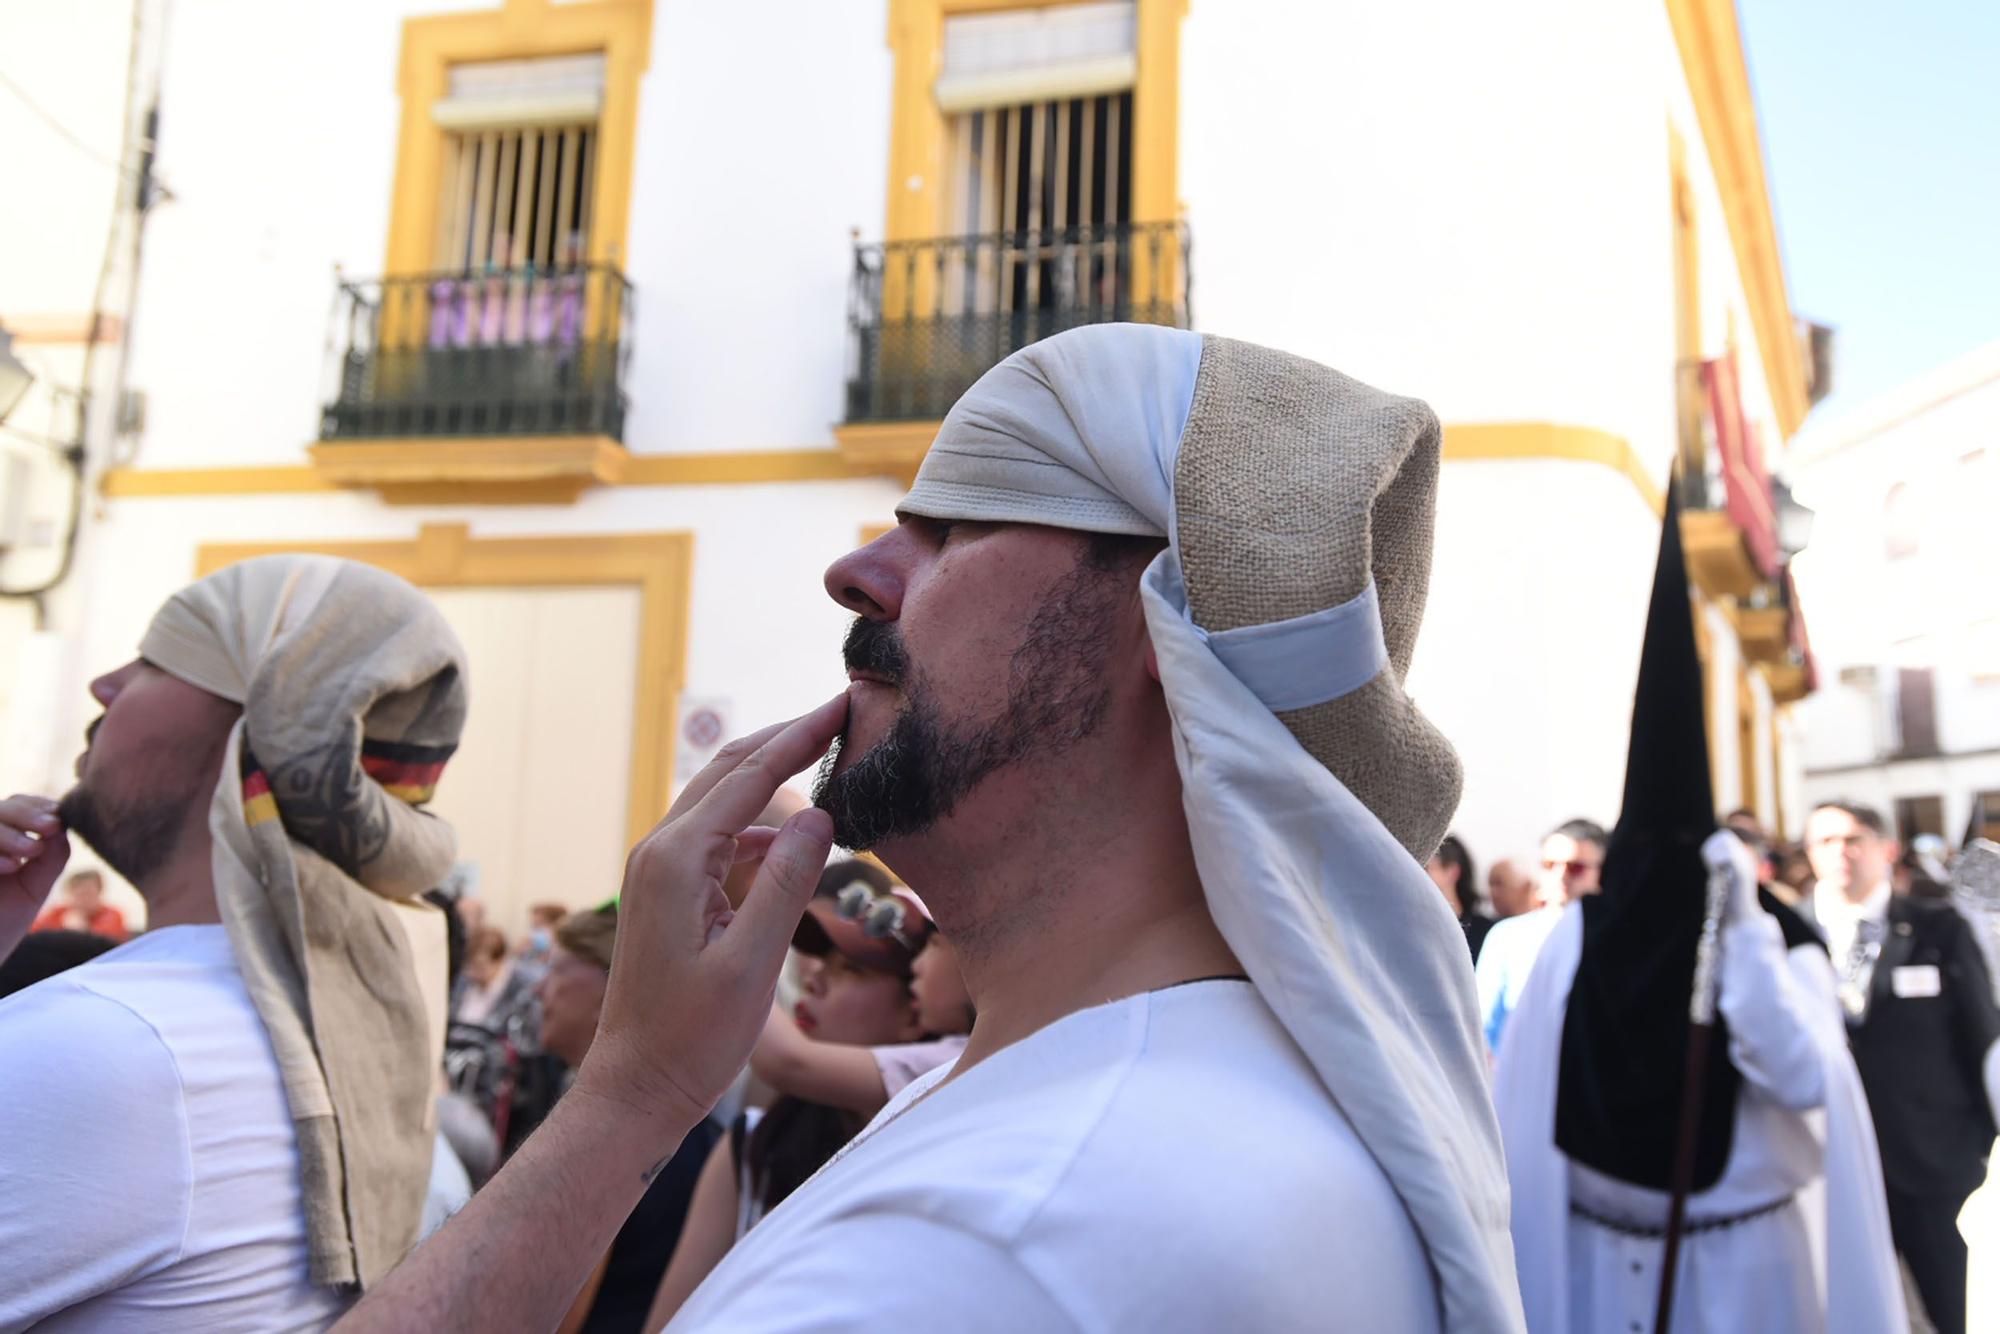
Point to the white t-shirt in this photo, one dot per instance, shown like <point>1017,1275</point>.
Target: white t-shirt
<point>1506,960</point>
<point>1164,1162</point>
<point>149,1176</point>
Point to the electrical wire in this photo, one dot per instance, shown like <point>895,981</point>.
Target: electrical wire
<point>76,141</point>
<point>76,455</point>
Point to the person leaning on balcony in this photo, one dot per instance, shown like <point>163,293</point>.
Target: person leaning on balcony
<point>226,1124</point>
<point>1146,619</point>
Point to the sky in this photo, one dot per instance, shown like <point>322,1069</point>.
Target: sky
<point>1881,126</point>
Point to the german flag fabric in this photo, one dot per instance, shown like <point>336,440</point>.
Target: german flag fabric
<point>407,772</point>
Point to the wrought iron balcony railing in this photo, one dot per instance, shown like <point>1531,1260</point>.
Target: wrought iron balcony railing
<point>505,352</point>
<point>926,318</point>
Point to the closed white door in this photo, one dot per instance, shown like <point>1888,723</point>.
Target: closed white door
<point>537,790</point>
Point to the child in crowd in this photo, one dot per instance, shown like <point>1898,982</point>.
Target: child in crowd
<point>882,1002</point>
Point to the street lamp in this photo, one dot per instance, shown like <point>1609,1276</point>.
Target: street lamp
<point>14,377</point>
<point>1795,521</point>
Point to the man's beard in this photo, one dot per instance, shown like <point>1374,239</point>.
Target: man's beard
<point>135,838</point>
<point>1057,695</point>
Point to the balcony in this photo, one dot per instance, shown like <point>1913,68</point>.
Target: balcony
<point>512,378</point>
<point>1729,520</point>
<point>928,317</point>
<point>1738,528</point>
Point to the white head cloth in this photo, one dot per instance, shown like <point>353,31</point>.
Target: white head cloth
<point>1342,932</point>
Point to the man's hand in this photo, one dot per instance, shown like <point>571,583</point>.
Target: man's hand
<point>691,984</point>
<point>33,851</point>
<point>692,979</point>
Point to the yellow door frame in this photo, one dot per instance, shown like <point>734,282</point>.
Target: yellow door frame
<point>517,30</point>
<point>659,565</point>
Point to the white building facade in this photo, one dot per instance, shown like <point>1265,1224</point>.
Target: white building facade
<point>1907,617</point>
<point>613,322</point>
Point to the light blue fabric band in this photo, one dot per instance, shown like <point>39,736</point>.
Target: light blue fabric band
<point>1307,660</point>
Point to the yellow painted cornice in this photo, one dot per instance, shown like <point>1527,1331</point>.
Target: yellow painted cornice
<point>892,450</point>
<point>1712,55</point>
<point>423,471</point>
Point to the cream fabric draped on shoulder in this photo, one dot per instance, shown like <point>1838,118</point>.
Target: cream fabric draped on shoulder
<point>353,695</point>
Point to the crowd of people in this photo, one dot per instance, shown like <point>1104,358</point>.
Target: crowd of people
<point>1147,1017</point>
<point>1848,889</point>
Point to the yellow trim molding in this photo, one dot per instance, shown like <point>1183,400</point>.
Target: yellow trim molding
<point>659,565</point>
<point>746,468</point>
<point>890,450</point>
<point>277,480</point>
<point>484,469</point>
<point>68,328</point>
<point>743,468</point>
<point>916,205</point>
<point>519,29</point>
<point>1704,648</point>
<point>1750,776</point>
<point>1553,440</point>
<point>1712,54</point>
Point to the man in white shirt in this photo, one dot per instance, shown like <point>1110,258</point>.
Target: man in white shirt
<point>1923,1023</point>
<point>149,1178</point>
<point>1125,707</point>
<point>172,1154</point>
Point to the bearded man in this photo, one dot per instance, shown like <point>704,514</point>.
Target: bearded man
<point>1126,708</point>
<point>226,1124</point>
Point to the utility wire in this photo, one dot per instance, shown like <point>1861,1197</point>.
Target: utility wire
<point>75,141</point>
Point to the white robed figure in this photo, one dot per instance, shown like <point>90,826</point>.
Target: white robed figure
<point>1975,892</point>
<point>1786,1226</point>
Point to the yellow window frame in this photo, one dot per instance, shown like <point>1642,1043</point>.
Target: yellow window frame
<point>517,30</point>
<point>917,135</point>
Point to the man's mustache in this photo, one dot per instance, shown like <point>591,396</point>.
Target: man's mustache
<point>90,732</point>
<point>874,648</point>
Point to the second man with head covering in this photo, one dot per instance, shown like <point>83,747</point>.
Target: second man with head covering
<point>227,1123</point>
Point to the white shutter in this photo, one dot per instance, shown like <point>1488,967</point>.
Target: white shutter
<point>1037,55</point>
<point>515,94</point>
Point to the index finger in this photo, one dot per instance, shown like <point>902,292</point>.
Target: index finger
<point>744,792</point>
<point>726,759</point>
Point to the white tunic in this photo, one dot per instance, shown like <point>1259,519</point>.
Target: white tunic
<point>149,1176</point>
<point>1799,1116</point>
<point>1166,1162</point>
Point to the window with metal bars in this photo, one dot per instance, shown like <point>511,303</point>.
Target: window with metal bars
<point>1051,183</point>
<point>516,198</point>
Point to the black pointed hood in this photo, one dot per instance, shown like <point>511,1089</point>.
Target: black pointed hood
<point>1624,1041</point>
